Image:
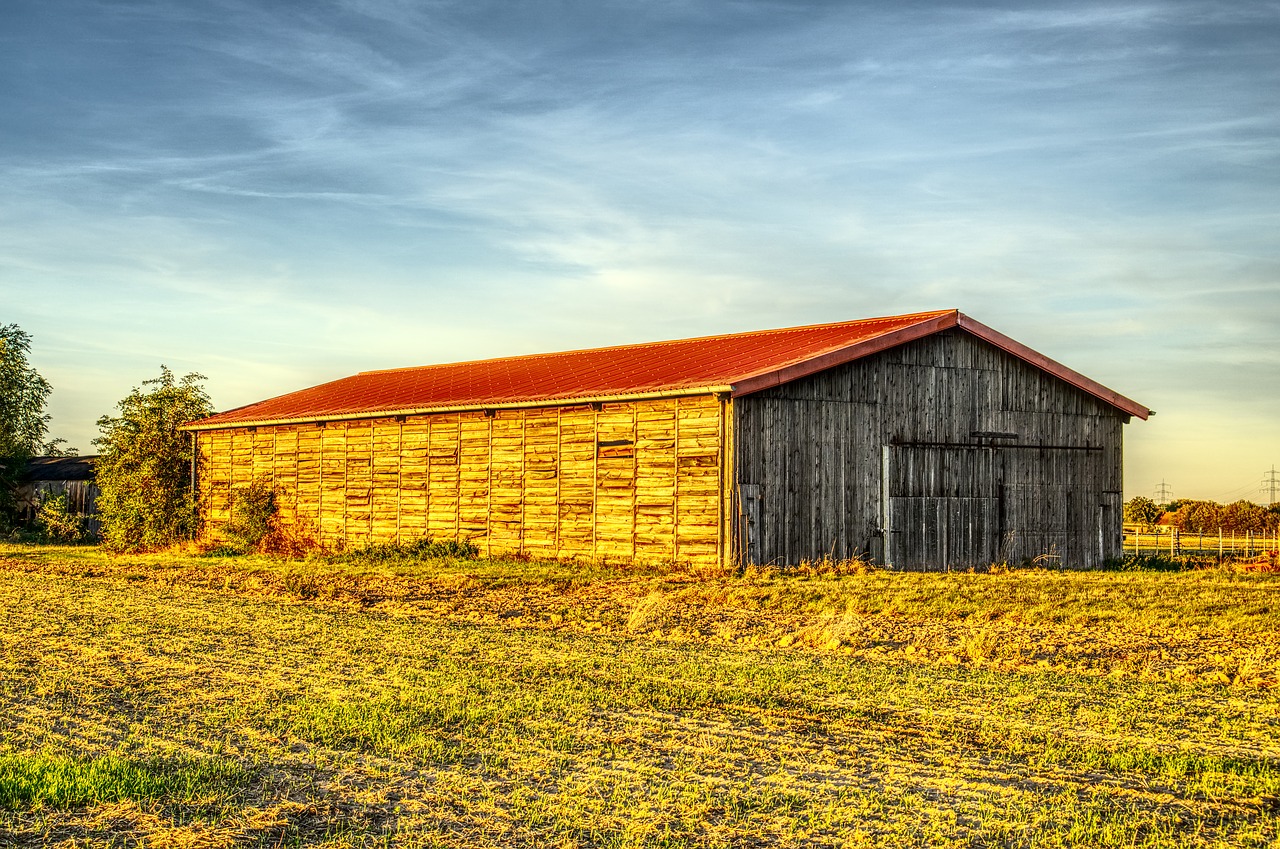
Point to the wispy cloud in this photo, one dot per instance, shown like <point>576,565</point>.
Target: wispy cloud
<point>286,192</point>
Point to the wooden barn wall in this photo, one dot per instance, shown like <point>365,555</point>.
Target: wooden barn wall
<point>810,456</point>
<point>631,481</point>
<point>82,500</point>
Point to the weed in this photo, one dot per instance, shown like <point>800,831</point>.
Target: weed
<point>424,549</point>
<point>253,515</point>
<point>1151,563</point>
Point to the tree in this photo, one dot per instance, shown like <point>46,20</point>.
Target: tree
<point>1244,517</point>
<point>144,467</point>
<point>1210,517</point>
<point>23,421</point>
<point>1197,517</point>
<point>58,448</point>
<point>1142,511</point>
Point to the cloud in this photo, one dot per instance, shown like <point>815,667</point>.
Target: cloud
<point>276,193</point>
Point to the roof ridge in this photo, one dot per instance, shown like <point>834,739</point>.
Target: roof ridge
<point>664,342</point>
<point>734,363</point>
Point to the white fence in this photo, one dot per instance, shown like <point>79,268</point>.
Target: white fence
<point>1225,545</point>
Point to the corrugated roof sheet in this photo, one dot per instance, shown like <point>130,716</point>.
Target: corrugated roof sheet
<point>60,468</point>
<point>738,363</point>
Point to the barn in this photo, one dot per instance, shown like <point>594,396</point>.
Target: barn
<point>73,477</point>
<point>919,441</point>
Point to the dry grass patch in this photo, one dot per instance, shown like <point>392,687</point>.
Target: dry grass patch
<point>242,701</point>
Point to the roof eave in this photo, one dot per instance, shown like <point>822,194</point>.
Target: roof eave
<point>1071,376</point>
<point>955,318</point>
<point>463,408</point>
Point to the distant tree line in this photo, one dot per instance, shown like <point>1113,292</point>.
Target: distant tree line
<point>1194,516</point>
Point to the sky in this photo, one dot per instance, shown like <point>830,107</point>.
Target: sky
<point>276,194</point>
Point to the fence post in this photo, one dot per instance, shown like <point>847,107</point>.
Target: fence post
<point>1219,544</point>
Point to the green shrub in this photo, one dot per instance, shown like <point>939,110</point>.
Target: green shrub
<point>1148,563</point>
<point>55,522</point>
<point>144,466</point>
<point>253,515</point>
<point>422,549</point>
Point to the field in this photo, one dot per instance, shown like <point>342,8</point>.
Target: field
<point>195,701</point>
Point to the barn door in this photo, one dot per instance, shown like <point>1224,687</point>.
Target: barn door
<point>1055,511</point>
<point>942,506</point>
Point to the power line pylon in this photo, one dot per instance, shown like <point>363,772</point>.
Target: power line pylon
<point>1271,485</point>
<point>1163,492</point>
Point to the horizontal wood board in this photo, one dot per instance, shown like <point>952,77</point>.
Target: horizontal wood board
<point>639,481</point>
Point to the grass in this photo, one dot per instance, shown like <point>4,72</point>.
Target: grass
<point>180,700</point>
<point>40,780</point>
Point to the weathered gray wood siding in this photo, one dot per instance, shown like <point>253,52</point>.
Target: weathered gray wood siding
<point>82,500</point>
<point>812,456</point>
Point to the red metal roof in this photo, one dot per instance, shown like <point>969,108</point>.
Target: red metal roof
<point>737,363</point>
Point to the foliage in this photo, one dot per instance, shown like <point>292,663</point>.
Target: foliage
<point>58,448</point>
<point>23,393</point>
<point>144,471</point>
<point>23,421</point>
<point>414,552</point>
<point>1208,517</point>
<point>1247,517</point>
<point>1142,511</point>
<point>56,522</point>
<point>253,515</point>
<point>1146,563</point>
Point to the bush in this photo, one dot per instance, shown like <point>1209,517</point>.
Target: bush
<point>144,470</point>
<point>1148,563</point>
<point>56,523</point>
<point>422,549</point>
<point>253,515</point>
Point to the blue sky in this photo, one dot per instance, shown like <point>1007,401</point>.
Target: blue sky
<point>276,194</point>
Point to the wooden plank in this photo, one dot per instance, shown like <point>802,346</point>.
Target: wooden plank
<point>386,485</point>
<point>506,506</point>
<point>813,446</point>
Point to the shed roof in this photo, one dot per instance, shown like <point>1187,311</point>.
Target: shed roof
<point>60,468</point>
<point>736,363</point>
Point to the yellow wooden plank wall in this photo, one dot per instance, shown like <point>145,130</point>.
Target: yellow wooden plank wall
<point>385,497</point>
<point>540,524</point>
<point>415,447</point>
<point>638,481</point>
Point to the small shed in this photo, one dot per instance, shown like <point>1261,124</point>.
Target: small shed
<point>919,441</point>
<point>53,476</point>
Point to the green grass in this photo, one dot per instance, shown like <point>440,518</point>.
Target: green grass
<point>509,703</point>
<point>59,781</point>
